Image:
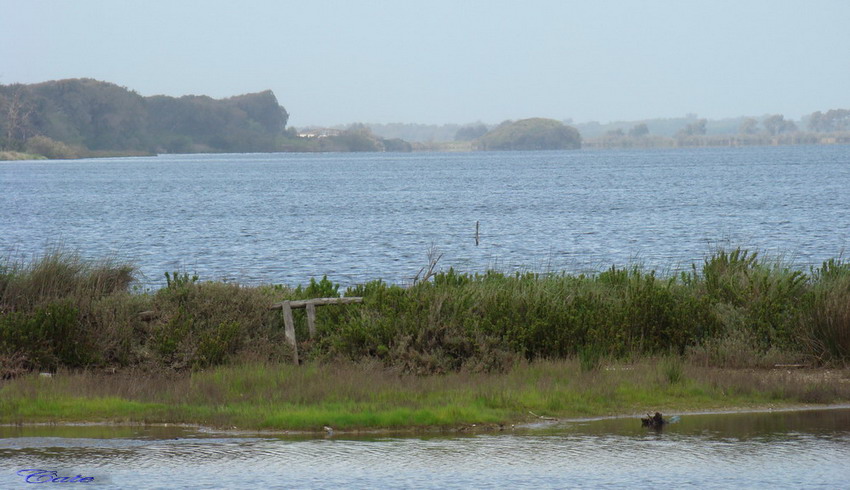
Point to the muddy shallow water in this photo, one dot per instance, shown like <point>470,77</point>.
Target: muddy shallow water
<point>787,449</point>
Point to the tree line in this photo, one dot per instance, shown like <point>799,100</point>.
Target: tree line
<point>78,116</point>
<point>830,127</point>
<point>83,117</point>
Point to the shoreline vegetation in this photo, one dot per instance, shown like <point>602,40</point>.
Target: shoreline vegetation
<point>85,118</point>
<point>79,342</point>
<point>367,397</point>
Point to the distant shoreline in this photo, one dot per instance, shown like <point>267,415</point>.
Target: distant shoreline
<point>590,144</point>
<point>14,156</point>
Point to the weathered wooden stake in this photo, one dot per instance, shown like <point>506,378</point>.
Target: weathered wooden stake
<point>311,319</point>
<point>310,304</point>
<point>289,329</point>
<point>476,233</point>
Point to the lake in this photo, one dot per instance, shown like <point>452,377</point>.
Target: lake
<point>784,449</point>
<point>286,218</point>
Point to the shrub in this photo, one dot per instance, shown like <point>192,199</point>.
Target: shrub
<point>50,148</point>
<point>49,337</point>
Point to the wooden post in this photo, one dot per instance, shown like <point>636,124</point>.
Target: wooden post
<point>311,319</point>
<point>289,329</point>
<point>310,304</point>
<point>476,233</point>
<point>302,303</point>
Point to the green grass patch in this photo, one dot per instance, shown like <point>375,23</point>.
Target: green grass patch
<point>368,396</point>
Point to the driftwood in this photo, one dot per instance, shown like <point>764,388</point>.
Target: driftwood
<point>541,417</point>
<point>433,258</point>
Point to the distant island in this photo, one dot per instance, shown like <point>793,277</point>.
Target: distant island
<point>530,134</point>
<point>79,118</point>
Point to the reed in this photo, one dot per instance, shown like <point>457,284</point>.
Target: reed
<point>828,332</point>
<point>60,275</point>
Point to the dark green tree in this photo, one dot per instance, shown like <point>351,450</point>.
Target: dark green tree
<point>696,128</point>
<point>777,124</point>
<point>748,126</point>
<point>833,120</point>
<point>531,134</point>
<point>357,137</point>
<point>639,130</point>
<point>471,132</point>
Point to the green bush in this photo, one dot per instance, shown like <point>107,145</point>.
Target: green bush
<point>217,344</point>
<point>317,289</point>
<point>49,337</point>
<point>42,145</point>
<point>206,323</point>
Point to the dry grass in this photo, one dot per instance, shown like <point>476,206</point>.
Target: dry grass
<point>781,383</point>
<point>369,395</point>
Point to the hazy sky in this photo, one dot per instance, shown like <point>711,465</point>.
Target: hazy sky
<point>449,61</point>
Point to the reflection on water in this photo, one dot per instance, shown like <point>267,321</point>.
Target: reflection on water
<point>784,449</point>
<point>741,426</point>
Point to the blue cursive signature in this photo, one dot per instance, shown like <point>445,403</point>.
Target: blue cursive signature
<point>45,476</point>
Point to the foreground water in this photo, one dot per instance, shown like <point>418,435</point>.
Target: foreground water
<point>284,218</point>
<point>805,449</point>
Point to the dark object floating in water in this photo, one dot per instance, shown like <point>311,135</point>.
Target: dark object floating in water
<point>653,420</point>
<point>657,421</point>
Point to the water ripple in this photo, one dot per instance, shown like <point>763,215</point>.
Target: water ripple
<point>485,461</point>
<point>285,218</point>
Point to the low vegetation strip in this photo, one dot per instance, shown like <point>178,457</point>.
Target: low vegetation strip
<point>735,310</point>
<point>369,396</point>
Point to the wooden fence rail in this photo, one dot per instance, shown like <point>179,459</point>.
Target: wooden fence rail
<point>310,305</point>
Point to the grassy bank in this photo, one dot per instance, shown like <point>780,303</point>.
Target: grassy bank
<point>455,349</point>
<point>368,396</point>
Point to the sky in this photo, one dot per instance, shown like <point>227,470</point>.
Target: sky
<point>449,61</point>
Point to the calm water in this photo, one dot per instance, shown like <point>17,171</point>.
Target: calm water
<point>768,450</point>
<point>284,218</point>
